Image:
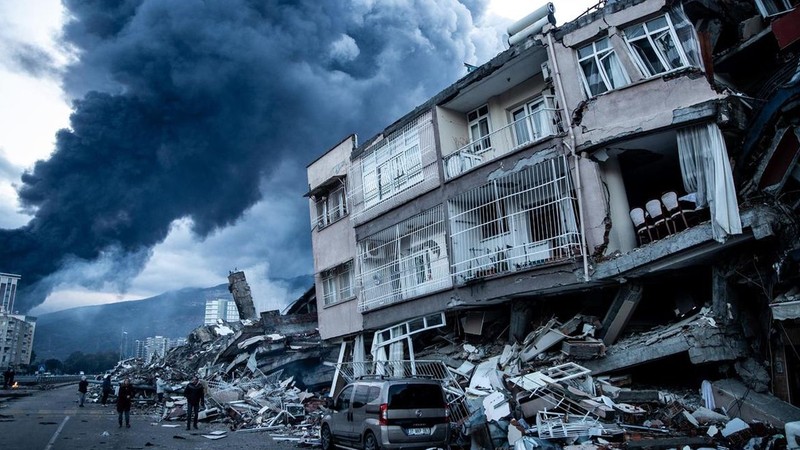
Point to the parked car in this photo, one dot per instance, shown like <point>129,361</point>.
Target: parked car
<point>388,413</point>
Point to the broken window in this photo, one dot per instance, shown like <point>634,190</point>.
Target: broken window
<point>403,261</point>
<point>601,68</point>
<point>769,8</point>
<point>392,166</point>
<point>337,283</point>
<point>655,46</point>
<point>533,120</point>
<point>523,219</point>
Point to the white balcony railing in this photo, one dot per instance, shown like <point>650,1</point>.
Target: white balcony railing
<point>515,222</point>
<point>512,137</point>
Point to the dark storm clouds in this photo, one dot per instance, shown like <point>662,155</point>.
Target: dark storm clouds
<point>184,108</point>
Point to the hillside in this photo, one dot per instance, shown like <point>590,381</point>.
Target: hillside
<point>99,328</point>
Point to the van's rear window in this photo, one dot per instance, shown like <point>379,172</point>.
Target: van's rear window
<point>407,396</point>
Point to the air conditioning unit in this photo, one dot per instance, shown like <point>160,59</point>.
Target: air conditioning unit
<point>373,250</point>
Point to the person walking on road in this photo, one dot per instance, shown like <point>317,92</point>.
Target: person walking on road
<point>6,376</point>
<point>124,400</point>
<point>106,389</point>
<point>83,386</point>
<point>160,386</point>
<point>195,397</point>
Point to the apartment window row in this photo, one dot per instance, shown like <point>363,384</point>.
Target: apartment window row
<point>337,284</point>
<point>656,46</point>
<point>331,207</point>
<point>403,261</point>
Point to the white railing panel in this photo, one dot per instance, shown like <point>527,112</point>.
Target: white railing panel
<point>512,137</point>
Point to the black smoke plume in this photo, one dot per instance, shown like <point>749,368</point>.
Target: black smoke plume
<point>183,108</point>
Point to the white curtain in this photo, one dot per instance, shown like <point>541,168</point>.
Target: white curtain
<point>707,172</point>
<point>616,74</point>
<point>359,356</point>
<point>396,358</point>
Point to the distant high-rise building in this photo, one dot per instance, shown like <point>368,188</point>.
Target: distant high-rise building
<point>16,339</point>
<point>139,350</point>
<point>158,346</point>
<point>8,291</point>
<point>220,308</point>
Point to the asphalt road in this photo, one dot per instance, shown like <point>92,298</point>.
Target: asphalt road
<point>52,420</point>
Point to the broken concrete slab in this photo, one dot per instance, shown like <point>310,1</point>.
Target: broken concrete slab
<point>740,401</point>
<point>697,336</point>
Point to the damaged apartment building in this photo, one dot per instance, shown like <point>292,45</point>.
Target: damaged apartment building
<point>637,165</point>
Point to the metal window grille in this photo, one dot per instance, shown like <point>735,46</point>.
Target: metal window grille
<point>517,221</point>
<point>393,170</point>
<point>404,261</point>
<point>537,120</point>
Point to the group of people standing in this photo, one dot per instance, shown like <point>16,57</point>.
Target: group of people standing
<point>194,393</point>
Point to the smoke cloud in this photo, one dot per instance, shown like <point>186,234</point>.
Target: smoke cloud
<point>184,110</point>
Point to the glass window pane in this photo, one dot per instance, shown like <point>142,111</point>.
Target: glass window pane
<point>586,51</point>
<point>648,57</point>
<point>668,50</point>
<point>593,78</point>
<point>634,32</point>
<point>657,24</point>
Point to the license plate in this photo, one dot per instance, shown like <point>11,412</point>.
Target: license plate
<point>418,431</point>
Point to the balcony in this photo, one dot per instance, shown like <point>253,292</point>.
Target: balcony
<point>517,135</point>
<point>517,222</point>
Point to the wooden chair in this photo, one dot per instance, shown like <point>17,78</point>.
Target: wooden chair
<point>675,212</point>
<point>659,217</point>
<point>643,229</point>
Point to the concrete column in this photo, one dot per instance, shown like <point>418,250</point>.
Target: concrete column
<point>237,285</point>
<point>723,297</point>
<point>621,310</point>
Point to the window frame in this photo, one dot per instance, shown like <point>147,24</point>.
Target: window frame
<point>331,207</point>
<point>648,37</point>
<point>776,4</point>
<point>537,105</point>
<point>338,284</point>
<point>478,121</point>
<point>597,57</point>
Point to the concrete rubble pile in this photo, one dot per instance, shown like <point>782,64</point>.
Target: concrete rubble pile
<point>542,393</point>
<point>229,357</point>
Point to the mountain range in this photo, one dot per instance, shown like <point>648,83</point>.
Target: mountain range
<point>103,328</point>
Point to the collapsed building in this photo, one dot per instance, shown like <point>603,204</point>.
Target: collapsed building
<point>261,373</point>
<point>634,170</point>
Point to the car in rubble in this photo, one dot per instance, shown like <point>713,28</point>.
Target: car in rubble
<point>380,412</point>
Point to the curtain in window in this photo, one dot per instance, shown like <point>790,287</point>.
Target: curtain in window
<point>616,75</point>
<point>541,120</point>
<point>707,172</point>
<point>359,356</point>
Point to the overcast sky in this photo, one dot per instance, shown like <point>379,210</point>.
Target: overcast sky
<point>186,128</point>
